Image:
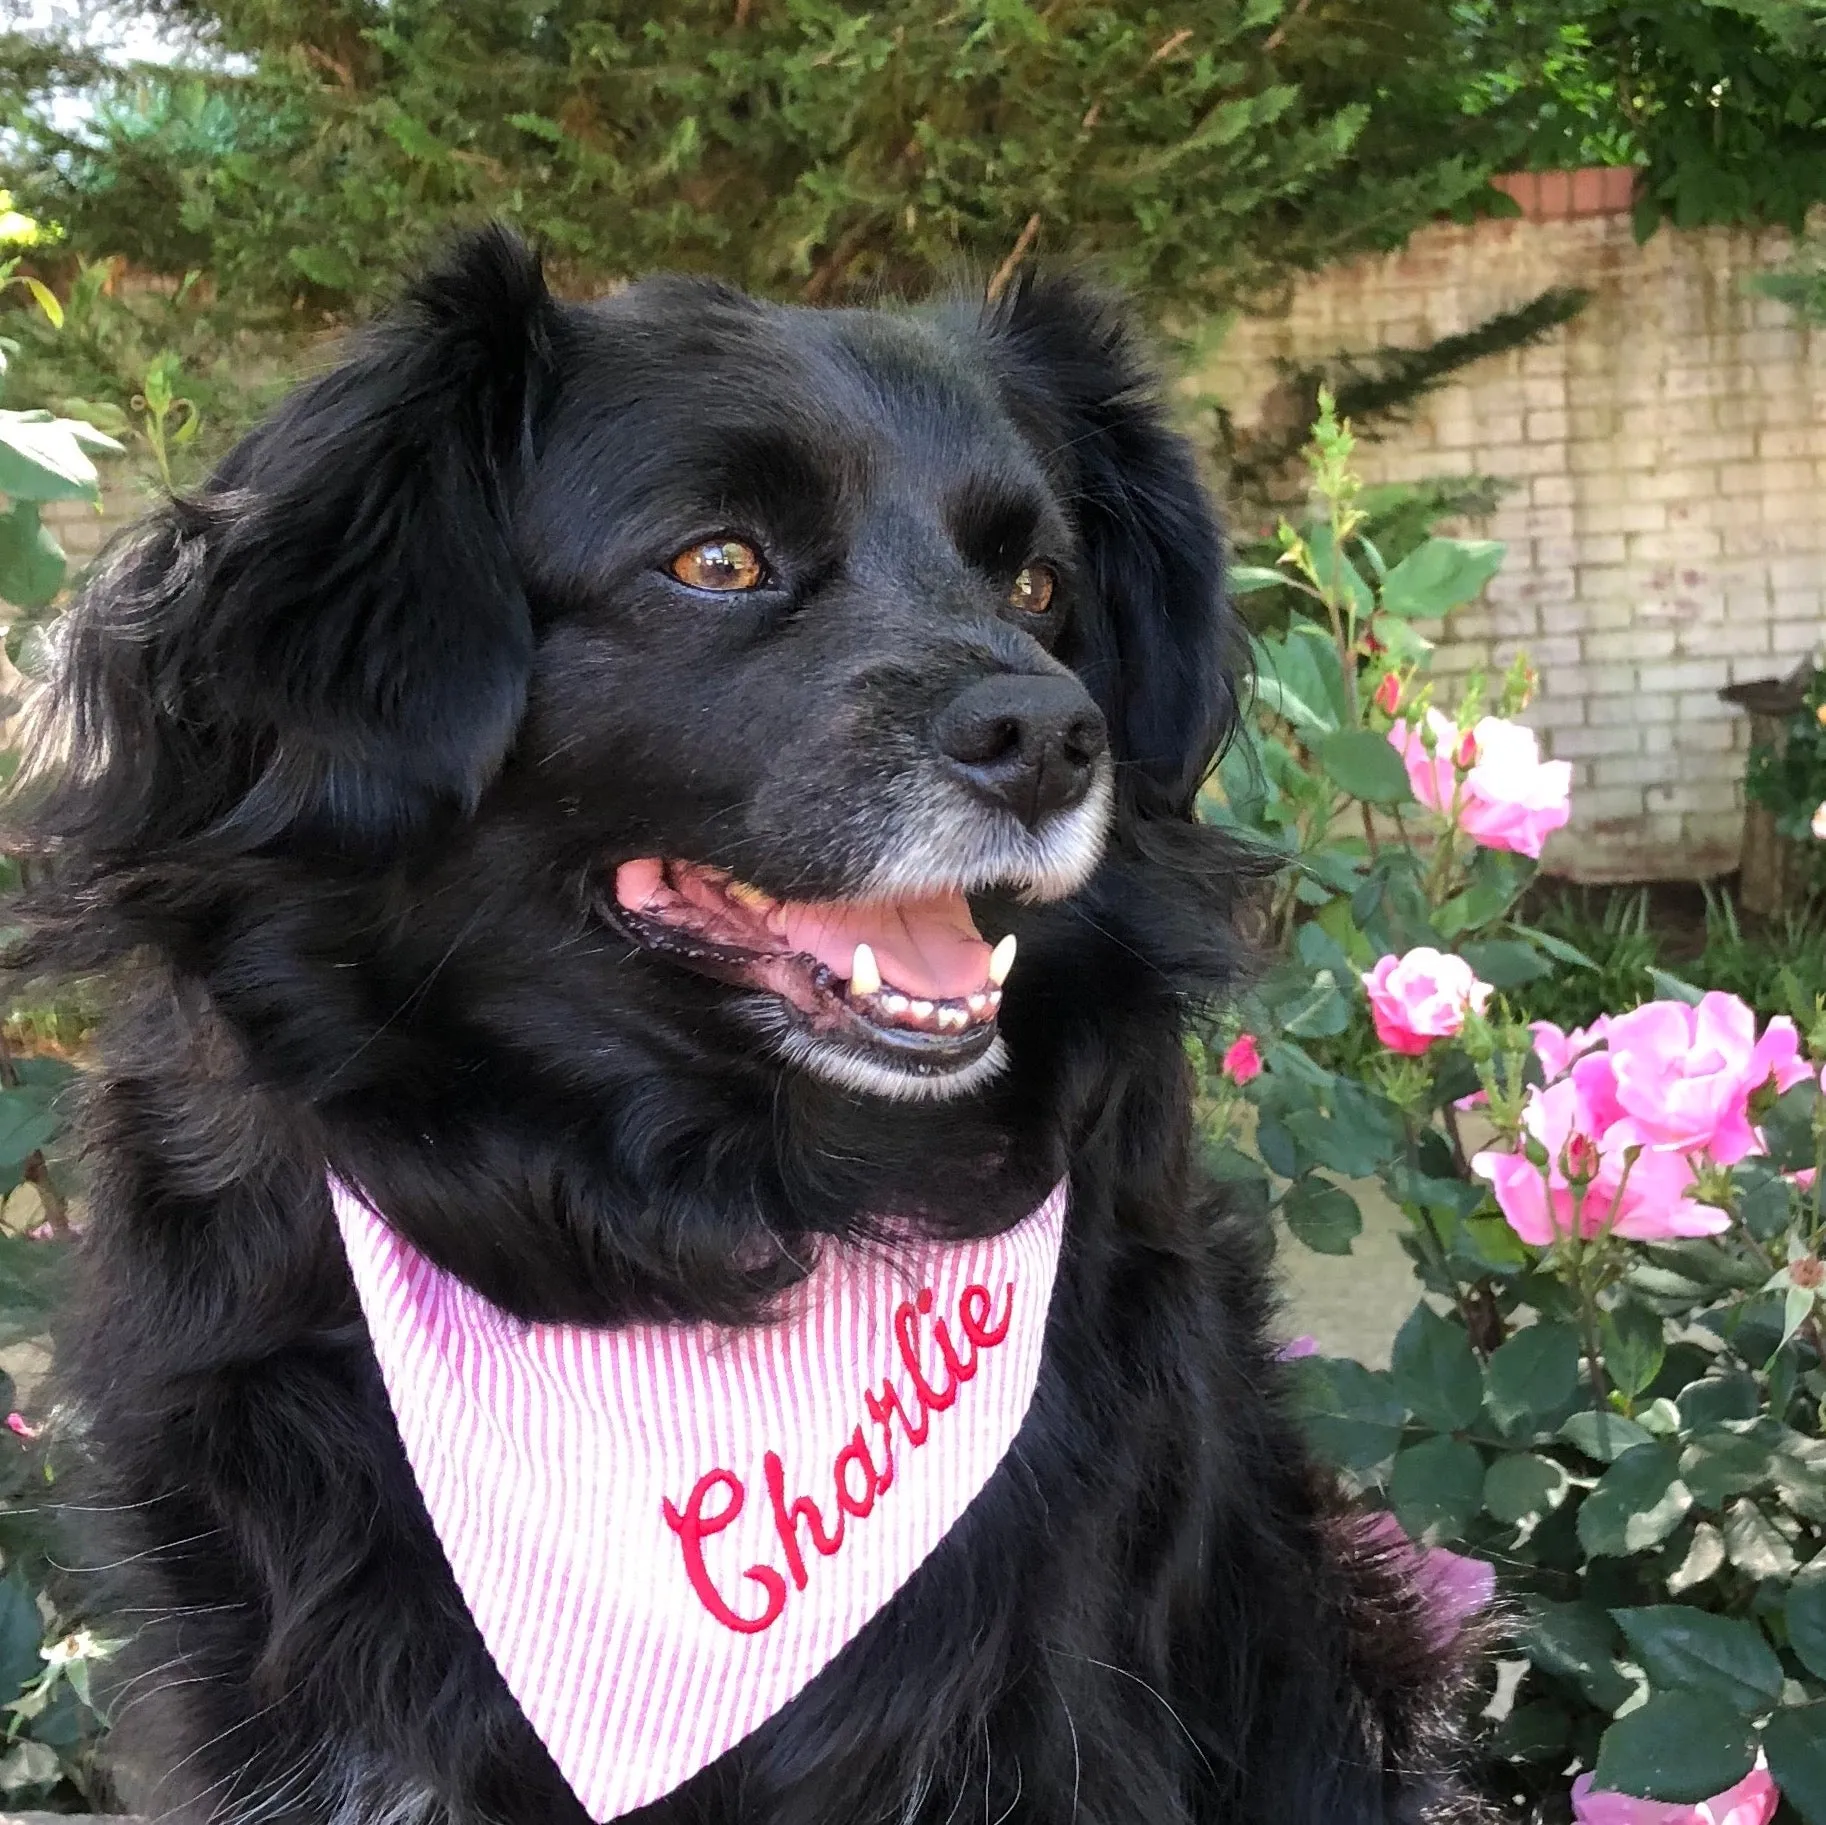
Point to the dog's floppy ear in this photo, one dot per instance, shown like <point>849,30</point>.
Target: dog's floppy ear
<point>330,643</point>
<point>1156,650</point>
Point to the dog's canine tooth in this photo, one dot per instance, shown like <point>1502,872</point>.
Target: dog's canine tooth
<point>1001,961</point>
<point>865,976</point>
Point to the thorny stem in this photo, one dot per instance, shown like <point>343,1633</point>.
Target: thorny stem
<point>1429,1230</point>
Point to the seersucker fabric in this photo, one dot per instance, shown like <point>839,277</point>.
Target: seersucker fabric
<point>664,1532</point>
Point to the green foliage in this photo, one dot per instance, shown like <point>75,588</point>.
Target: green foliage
<point>51,1730</point>
<point>1196,154</point>
<point>1788,774</point>
<point>1630,1432</point>
<point>1721,101</point>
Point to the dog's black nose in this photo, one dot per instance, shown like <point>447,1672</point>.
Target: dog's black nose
<point>1029,744</point>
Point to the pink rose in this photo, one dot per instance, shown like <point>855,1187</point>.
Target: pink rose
<point>1751,1802</point>
<point>1687,1074</point>
<point>1455,1586</point>
<point>1243,1061</point>
<point>17,1422</point>
<point>1580,1126</point>
<point>1388,693</point>
<point>1507,797</point>
<point>1296,1347</point>
<point>1422,997</point>
<point>1559,1051</point>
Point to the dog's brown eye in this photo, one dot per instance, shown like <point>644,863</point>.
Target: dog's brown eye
<point>720,564</point>
<point>1032,590</point>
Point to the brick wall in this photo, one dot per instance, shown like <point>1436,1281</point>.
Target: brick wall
<point>1667,527</point>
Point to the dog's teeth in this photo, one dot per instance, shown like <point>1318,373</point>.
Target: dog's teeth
<point>952,1020</point>
<point>919,1010</point>
<point>978,1004</point>
<point>865,976</point>
<point>893,1004</point>
<point>1001,961</point>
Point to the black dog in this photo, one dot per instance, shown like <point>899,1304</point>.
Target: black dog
<point>489,775</point>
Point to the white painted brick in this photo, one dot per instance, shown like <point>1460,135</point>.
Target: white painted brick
<point>1687,675</point>
<point>1611,801</point>
<point>1639,643</point>
<point>1632,770</point>
<point>1599,738</point>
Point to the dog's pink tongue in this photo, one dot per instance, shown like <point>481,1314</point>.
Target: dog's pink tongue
<point>929,948</point>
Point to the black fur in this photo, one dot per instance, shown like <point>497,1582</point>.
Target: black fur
<point>348,742</point>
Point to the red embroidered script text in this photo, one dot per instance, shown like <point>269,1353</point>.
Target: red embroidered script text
<point>862,1472</point>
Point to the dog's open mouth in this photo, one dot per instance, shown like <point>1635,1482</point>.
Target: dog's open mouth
<point>909,981</point>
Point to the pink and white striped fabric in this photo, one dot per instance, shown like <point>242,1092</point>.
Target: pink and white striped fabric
<point>665,1531</point>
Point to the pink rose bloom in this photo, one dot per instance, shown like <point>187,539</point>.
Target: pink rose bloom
<point>1432,776</point>
<point>1422,997</point>
<point>1513,799</point>
<point>17,1422</point>
<point>1296,1347</point>
<point>1558,1051</point>
<point>1455,1586</point>
<point>1578,1122</point>
<point>1242,1061</point>
<point>1687,1074</point>
<point>1508,798</point>
<point>1751,1802</point>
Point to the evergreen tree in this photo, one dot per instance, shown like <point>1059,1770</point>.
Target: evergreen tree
<point>1198,152</point>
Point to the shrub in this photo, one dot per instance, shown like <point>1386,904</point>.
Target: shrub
<point>1611,1387</point>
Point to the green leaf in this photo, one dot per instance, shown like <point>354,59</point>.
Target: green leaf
<point>1322,1215</point>
<point>325,266</point>
<point>1705,1558</point>
<point>1795,1743</point>
<point>1577,1642</point>
<point>27,1124</point>
<point>540,126</point>
<point>1435,1487</point>
<point>1436,1372</point>
<point>1753,1544</point>
<point>30,1283</point>
<point>1718,1464</point>
<point>1290,684</point>
<point>1634,1343</point>
<point>1521,1484</point>
<point>46,300</point>
<point>1806,1614</point>
<point>1437,576</point>
<point>1365,764</point>
<point>1243,579</point>
<point>1557,948</point>
<point>31,560</point>
<point>1351,1152</point>
<point>21,1631</point>
<point>1679,1747</point>
<point>1350,1413</point>
<point>1533,1375</point>
<point>1321,1013</point>
<point>1505,963</point>
<point>42,459</point>
<point>1637,1503</point>
<point>1681,1647</point>
<point>1603,1437</point>
<point>1671,988</point>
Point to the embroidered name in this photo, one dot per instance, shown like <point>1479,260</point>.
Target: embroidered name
<point>858,1476</point>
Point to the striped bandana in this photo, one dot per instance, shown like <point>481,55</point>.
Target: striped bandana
<point>664,1532</point>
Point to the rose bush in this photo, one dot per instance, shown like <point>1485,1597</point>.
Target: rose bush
<point>1607,1402</point>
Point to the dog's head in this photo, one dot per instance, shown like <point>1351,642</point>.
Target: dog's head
<point>776,633</point>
